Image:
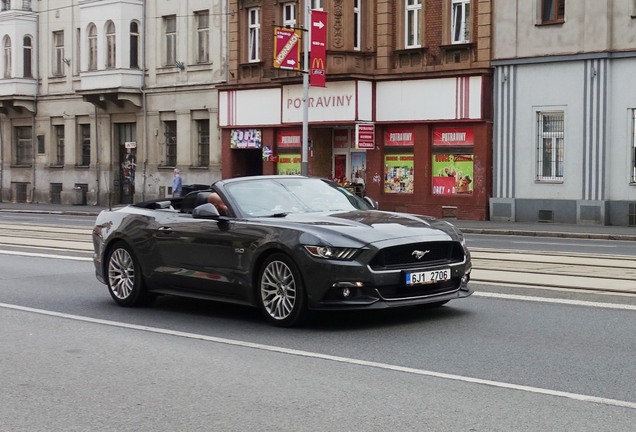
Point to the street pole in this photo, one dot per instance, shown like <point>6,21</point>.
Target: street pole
<point>304,165</point>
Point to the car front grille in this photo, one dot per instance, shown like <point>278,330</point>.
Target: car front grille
<point>418,255</point>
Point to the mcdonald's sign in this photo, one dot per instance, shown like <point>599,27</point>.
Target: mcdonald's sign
<point>318,50</point>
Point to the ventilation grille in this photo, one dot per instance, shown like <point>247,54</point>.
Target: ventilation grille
<point>546,216</point>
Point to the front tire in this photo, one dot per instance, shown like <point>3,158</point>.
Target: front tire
<point>281,292</point>
<point>124,279</point>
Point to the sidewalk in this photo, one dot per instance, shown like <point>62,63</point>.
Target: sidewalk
<point>600,232</point>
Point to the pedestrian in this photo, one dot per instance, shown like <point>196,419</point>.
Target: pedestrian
<point>176,184</point>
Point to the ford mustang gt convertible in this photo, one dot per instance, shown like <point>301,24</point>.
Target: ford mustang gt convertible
<point>287,245</point>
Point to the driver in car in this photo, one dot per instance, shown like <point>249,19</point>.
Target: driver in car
<point>217,202</point>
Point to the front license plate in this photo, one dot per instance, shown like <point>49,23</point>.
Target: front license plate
<point>428,277</point>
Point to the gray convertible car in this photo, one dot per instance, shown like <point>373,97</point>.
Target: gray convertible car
<point>285,244</point>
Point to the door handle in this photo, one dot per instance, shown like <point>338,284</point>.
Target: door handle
<point>165,230</point>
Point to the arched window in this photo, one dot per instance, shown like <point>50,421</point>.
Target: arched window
<point>134,45</point>
<point>110,45</point>
<point>6,44</point>
<point>27,46</point>
<point>92,47</point>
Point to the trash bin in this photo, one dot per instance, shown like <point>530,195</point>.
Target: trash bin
<point>79,196</point>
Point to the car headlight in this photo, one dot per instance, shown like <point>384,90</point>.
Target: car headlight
<point>330,252</point>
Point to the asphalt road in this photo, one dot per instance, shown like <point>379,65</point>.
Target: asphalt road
<point>73,361</point>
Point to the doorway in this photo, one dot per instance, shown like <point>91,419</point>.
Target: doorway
<point>125,137</point>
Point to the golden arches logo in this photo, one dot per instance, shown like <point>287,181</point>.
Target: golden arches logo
<point>317,63</point>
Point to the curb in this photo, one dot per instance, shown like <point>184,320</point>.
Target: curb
<point>574,235</point>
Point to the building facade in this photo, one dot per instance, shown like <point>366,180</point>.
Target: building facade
<point>565,106</point>
<point>405,114</point>
<point>101,99</point>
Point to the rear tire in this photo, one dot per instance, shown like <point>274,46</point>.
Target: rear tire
<point>124,279</point>
<point>281,292</point>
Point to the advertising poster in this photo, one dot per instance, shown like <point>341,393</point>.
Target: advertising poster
<point>398,173</point>
<point>245,139</point>
<point>288,164</point>
<point>452,174</point>
<point>358,167</point>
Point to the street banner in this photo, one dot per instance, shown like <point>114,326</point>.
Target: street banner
<point>318,50</point>
<point>286,48</point>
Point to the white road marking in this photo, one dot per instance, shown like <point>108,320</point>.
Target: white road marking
<point>595,245</point>
<point>556,301</point>
<point>347,360</point>
<point>42,255</point>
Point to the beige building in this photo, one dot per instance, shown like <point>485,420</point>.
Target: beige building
<point>101,100</point>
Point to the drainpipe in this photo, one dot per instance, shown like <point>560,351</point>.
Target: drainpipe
<point>97,158</point>
<point>144,137</point>
<point>1,160</point>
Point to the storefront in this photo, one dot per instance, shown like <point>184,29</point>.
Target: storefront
<point>418,146</point>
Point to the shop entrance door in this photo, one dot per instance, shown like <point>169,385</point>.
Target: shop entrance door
<point>125,134</point>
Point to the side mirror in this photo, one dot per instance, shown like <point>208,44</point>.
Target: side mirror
<point>205,211</point>
<point>371,202</point>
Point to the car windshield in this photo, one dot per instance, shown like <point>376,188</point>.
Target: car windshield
<point>285,195</point>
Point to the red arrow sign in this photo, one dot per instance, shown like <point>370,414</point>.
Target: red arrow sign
<point>318,50</point>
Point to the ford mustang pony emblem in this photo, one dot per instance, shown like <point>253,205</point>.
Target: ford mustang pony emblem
<point>419,254</point>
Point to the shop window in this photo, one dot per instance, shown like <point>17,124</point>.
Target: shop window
<point>399,168</point>
<point>453,161</point>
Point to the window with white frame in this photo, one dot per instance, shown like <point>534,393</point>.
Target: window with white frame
<point>170,134</point>
<point>357,24</point>
<point>254,34</point>
<point>58,135</point>
<point>58,55</point>
<point>289,14</point>
<point>203,35</point>
<point>170,31</point>
<point>84,150</point>
<point>633,149</point>
<point>460,19</point>
<point>203,143</point>
<point>27,54</point>
<point>413,23</point>
<point>134,45</point>
<point>316,4</point>
<point>552,11</point>
<point>23,150</point>
<point>550,145</point>
<point>5,5</point>
<point>111,47</point>
<point>6,46</point>
<point>92,47</point>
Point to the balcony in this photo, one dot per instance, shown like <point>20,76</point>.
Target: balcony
<point>114,86</point>
<point>17,94</point>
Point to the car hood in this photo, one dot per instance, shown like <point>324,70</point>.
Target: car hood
<point>370,226</point>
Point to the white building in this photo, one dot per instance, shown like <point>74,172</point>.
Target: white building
<point>101,99</point>
<point>564,145</point>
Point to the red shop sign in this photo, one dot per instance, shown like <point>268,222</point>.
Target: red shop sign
<point>399,137</point>
<point>289,139</point>
<point>453,136</point>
